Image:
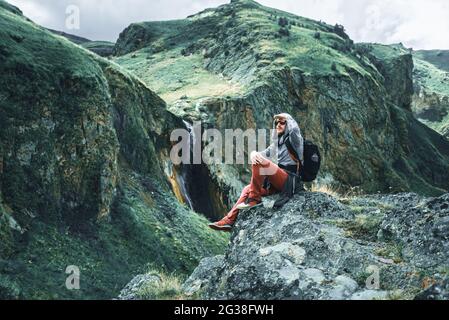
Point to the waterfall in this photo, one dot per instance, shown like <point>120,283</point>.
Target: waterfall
<point>182,183</point>
<point>192,182</point>
<point>182,177</point>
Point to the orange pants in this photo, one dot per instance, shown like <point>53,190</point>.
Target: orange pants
<point>276,176</point>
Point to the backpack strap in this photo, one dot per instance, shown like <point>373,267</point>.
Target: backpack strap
<point>292,153</point>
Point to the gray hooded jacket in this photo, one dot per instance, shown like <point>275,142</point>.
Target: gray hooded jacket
<point>291,132</point>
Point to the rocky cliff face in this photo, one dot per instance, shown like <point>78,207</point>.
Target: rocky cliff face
<point>321,247</point>
<point>395,63</point>
<point>236,65</point>
<point>431,97</point>
<point>84,168</point>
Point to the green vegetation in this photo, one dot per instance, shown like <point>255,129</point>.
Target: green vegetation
<point>9,7</point>
<point>431,78</point>
<point>387,52</point>
<point>139,236</point>
<point>172,56</point>
<point>102,48</point>
<point>439,58</point>
<point>168,237</point>
<point>364,226</point>
<point>172,75</point>
<point>431,100</point>
<point>81,180</point>
<point>95,44</point>
<point>83,143</point>
<point>169,287</point>
<point>391,251</point>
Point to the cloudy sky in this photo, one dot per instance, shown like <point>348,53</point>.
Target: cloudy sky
<point>420,24</point>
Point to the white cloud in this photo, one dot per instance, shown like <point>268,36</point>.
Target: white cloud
<point>421,24</point>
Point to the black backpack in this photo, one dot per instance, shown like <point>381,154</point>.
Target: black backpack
<point>312,160</point>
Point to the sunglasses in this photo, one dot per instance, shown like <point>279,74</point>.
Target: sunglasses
<point>280,122</point>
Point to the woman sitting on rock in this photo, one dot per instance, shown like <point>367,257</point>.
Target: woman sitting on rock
<point>267,177</point>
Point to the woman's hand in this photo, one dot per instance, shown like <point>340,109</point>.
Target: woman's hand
<point>257,158</point>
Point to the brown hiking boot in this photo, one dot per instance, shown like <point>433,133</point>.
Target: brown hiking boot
<point>249,204</point>
<point>224,224</point>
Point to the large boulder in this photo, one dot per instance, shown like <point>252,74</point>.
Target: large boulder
<point>316,247</point>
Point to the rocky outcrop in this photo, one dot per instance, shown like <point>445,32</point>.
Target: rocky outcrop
<point>395,63</point>
<point>320,247</point>
<point>438,291</point>
<point>131,291</point>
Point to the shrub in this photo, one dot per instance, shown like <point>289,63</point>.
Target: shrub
<point>284,32</point>
<point>168,288</point>
<point>340,30</point>
<point>283,21</point>
<point>363,49</point>
<point>317,35</point>
<point>349,45</point>
<point>364,225</point>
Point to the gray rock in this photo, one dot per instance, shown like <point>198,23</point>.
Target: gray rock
<point>296,252</point>
<point>346,282</point>
<point>439,291</point>
<point>200,278</point>
<point>343,289</point>
<point>131,291</point>
<point>316,275</point>
<point>370,295</point>
<point>422,228</point>
<point>286,250</point>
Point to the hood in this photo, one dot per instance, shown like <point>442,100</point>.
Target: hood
<point>291,123</point>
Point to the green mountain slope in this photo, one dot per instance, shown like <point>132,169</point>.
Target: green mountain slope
<point>85,176</point>
<point>431,98</point>
<point>236,65</point>
<point>439,58</point>
<point>102,48</point>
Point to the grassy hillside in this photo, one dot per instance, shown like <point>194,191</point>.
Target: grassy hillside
<point>431,78</point>
<point>102,48</point>
<point>439,58</point>
<point>431,100</point>
<point>172,56</point>
<point>84,173</point>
